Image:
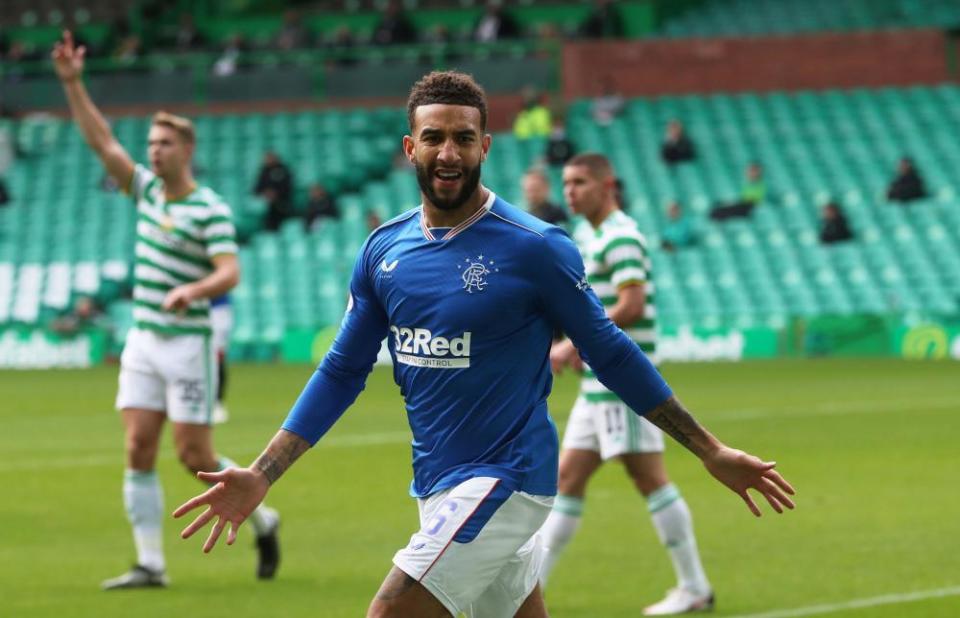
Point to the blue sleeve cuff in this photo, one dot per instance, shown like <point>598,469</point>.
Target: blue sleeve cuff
<point>632,376</point>
<point>656,399</point>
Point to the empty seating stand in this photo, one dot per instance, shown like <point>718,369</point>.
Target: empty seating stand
<point>65,235</point>
<point>814,147</point>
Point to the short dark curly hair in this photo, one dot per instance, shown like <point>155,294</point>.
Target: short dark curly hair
<point>450,88</point>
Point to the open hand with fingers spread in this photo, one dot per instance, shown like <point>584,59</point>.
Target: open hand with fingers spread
<point>68,58</point>
<point>236,492</point>
<point>741,471</point>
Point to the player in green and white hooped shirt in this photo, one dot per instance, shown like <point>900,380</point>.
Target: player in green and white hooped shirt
<point>602,427</point>
<point>185,254</point>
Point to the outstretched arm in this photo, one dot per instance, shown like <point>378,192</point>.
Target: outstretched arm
<point>622,367</point>
<point>737,470</point>
<point>330,391</point>
<point>236,492</point>
<point>68,62</point>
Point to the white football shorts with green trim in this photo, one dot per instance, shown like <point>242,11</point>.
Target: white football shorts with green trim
<point>610,428</point>
<point>176,374</point>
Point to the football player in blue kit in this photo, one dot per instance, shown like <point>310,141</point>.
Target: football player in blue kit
<point>469,288</point>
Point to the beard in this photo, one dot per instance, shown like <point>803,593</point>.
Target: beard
<point>425,176</point>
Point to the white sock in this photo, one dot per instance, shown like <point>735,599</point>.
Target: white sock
<point>674,525</point>
<point>557,530</point>
<point>143,500</point>
<point>263,519</point>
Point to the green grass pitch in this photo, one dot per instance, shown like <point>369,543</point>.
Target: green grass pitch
<point>871,446</point>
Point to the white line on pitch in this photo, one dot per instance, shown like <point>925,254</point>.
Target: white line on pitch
<point>833,409</point>
<point>116,456</point>
<point>400,437</point>
<point>887,599</point>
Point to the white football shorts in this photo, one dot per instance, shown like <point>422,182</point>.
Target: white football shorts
<point>477,550</point>
<point>176,374</point>
<point>610,428</point>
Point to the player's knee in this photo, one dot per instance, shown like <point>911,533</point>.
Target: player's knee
<point>196,458</point>
<point>141,445</point>
<point>647,481</point>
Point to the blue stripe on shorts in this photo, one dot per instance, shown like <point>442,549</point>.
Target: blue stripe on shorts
<point>482,514</point>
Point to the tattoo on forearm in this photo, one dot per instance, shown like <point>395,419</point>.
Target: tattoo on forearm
<point>675,421</point>
<point>277,458</point>
<point>396,585</point>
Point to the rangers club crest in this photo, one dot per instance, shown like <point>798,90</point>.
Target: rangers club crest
<point>474,273</point>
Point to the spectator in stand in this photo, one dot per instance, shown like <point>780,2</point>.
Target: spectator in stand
<point>536,193</point>
<point>495,24</point>
<point>677,146</point>
<point>608,105</point>
<point>604,22</point>
<point>679,231</point>
<point>342,42</point>
<point>20,52</point>
<point>83,315</point>
<point>754,192</point>
<point>292,33</point>
<point>833,225</point>
<point>13,52</point>
<point>559,147</point>
<point>440,37</point>
<point>373,220</point>
<point>187,38</point>
<point>231,58</point>
<point>129,50</point>
<point>534,119</point>
<point>4,193</point>
<point>275,186</point>
<point>395,27</point>
<point>118,30</point>
<point>548,39</point>
<point>13,71</point>
<point>908,184</point>
<point>320,205</point>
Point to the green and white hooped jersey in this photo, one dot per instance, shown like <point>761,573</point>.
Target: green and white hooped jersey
<point>615,255</point>
<point>175,243</point>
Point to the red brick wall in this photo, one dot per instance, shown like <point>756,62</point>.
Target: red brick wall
<point>830,60</point>
<point>638,68</point>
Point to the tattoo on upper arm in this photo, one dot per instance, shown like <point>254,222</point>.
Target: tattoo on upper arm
<point>276,459</point>
<point>395,585</point>
<point>675,421</point>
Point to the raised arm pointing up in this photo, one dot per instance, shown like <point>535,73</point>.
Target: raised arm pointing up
<point>68,61</point>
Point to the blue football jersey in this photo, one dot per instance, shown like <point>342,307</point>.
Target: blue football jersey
<point>469,314</point>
